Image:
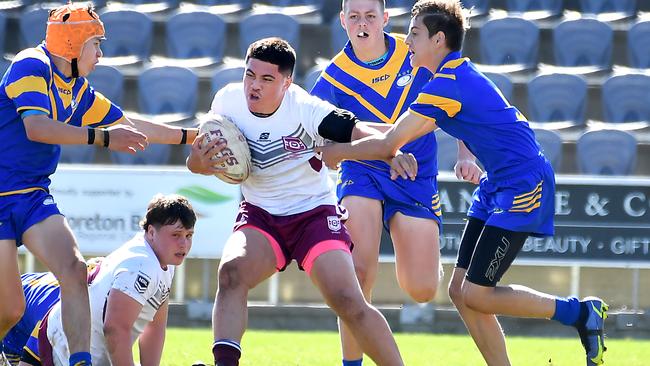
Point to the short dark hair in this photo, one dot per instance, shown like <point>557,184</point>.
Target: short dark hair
<point>381,2</point>
<point>275,51</point>
<point>444,16</point>
<point>167,210</point>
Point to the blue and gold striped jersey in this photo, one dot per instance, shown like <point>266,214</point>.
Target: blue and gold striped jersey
<point>379,93</point>
<point>41,291</point>
<point>33,83</point>
<point>467,105</point>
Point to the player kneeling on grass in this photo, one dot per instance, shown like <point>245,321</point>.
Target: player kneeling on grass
<point>42,291</point>
<point>128,294</point>
<point>289,210</point>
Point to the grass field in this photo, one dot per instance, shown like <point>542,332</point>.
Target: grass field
<point>281,348</point>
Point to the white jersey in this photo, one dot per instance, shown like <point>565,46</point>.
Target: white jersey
<point>287,177</point>
<point>132,269</point>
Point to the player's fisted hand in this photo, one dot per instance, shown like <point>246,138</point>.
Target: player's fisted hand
<point>328,155</point>
<point>468,170</point>
<point>126,139</point>
<point>201,156</point>
<point>403,165</point>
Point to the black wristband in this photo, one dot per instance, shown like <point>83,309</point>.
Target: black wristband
<point>107,138</point>
<point>91,136</point>
<point>183,136</point>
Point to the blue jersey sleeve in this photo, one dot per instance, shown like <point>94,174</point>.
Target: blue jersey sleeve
<point>323,89</point>
<point>98,111</point>
<point>439,100</point>
<point>27,82</point>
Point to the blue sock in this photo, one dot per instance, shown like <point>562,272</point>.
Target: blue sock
<point>80,359</point>
<point>567,310</point>
<point>352,362</point>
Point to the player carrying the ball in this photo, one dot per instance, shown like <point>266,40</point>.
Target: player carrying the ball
<point>289,209</point>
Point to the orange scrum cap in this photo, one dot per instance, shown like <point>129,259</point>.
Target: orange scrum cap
<point>69,27</point>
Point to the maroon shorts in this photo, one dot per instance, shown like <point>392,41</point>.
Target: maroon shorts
<point>302,236</point>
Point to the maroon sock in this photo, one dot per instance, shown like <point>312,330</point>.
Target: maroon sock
<point>226,352</point>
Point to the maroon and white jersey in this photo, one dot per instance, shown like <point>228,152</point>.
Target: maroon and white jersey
<point>287,177</point>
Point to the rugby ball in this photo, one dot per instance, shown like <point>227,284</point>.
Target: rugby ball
<point>238,163</point>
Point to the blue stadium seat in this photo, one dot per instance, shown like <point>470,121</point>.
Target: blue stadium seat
<point>77,154</point>
<point>551,7</point>
<point>626,98</point>
<point>258,26</point>
<point>316,3</point>
<point>583,42</point>
<point>108,81</point>
<point>638,44</point>
<point>225,75</point>
<point>311,76</point>
<point>32,26</point>
<point>557,97</point>
<point>447,151</point>
<point>508,41</point>
<point>239,5</point>
<point>627,7</point>
<point>3,32</point>
<point>167,89</point>
<point>196,34</point>
<point>129,34</point>
<point>551,144</point>
<point>606,152</point>
<point>502,82</point>
<point>4,65</point>
<point>479,7</point>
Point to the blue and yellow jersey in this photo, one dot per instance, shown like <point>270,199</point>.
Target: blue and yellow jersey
<point>379,93</point>
<point>41,293</point>
<point>467,105</point>
<point>33,84</point>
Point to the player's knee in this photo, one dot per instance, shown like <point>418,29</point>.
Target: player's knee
<point>11,312</point>
<point>230,275</point>
<point>73,273</point>
<point>474,297</point>
<point>347,306</point>
<point>365,276</point>
<point>422,292</point>
<point>455,292</point>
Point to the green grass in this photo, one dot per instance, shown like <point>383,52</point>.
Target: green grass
<point>282,348</point>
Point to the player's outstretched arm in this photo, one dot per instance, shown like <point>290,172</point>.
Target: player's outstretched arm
<point>41,128</point>
<point>121,313</point>
<point>379,146</point>
<point>152,339</point>
<point>200,159</point>
<point>159,133</point>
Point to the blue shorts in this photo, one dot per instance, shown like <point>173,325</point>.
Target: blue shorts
<point>417,198</point>
<point>19,212</point>
<point>523,202</point>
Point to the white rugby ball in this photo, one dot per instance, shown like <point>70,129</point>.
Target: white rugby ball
<point>238,163</point>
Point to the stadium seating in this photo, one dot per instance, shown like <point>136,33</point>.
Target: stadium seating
<point>447,151</point>
<point>606,152</point>
<point>258,26</point>
<point>315,3</point>
<point>627,7</point>
<point>583,42</point>
<point>638,44</point>
<point>108,81</point>
<point>239,5</point>
<point>551,144</point>
<point>225,75</point>
<point>4,65</point>
<point>167,89</point>
<point>311,76</point>
<point>196,34</point>
<point>509,41</point>
<point>478,7</point>
<point>502,82</point>
<point>626,98</point>
<point>130,34</point>
<point>77,154</point>
<point>32,26</point>
<point>551,8</point>
<point>557,97</point>
<point>3,32</point>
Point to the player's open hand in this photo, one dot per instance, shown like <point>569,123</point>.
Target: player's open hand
<point>468,170</point>
<point>403,165</point>
<point>329,155</point>
<point>126,139</point>
<point>201,156</point>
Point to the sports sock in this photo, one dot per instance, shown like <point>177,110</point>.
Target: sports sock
<point>226,352</point>
<point>80,359</point>
<point>567,310</point>
<point>352,362</point>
